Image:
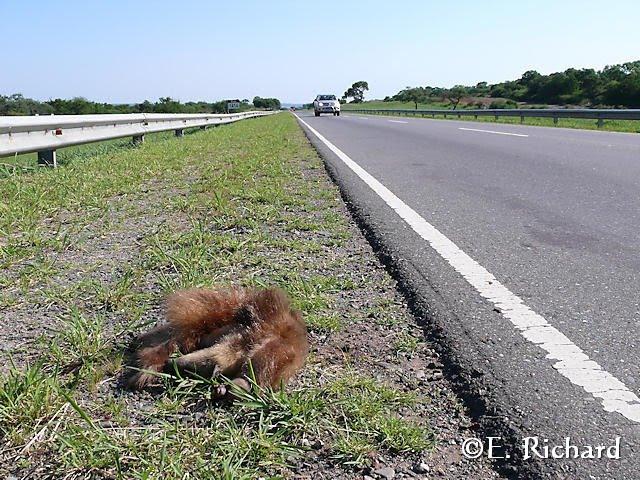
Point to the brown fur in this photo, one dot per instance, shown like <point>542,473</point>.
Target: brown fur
<point>220,332</point>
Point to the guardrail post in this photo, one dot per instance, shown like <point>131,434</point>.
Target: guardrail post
<point>48,158</point>
<point>496,118</point>
<point>600,122</point>
<point>203,127</point>
<point>138,139</point>
<point>475,116</point>
<point>459,116</point>
<point>555,120</point>
<point>445,115</point>
<point>433,115</point>
<point>179,132</point>
<point>521,118</point>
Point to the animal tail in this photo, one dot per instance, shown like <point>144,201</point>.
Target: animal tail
<point>268,304</point>
<point>196,312</point>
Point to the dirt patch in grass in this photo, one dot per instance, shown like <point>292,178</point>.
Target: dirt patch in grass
<point>246,204</point>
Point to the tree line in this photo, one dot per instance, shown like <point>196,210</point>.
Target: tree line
<point>17,104</point>
<point>269,103</point>
<point>613,86</point>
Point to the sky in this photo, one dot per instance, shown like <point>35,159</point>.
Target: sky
<point>128,51</point>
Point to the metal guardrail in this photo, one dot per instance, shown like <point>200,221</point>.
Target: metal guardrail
<point>597,114</point>
<point>45,134</point>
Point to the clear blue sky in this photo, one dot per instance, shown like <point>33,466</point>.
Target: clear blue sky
<point>128,51</point>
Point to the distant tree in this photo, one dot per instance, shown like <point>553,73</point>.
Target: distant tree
<point>17,104</point>
<point>437,92</point>
<point>414,94</point>
<point>529,78</point>
<point>269,103</point>
<point>356,91</point>
<point>591,85</point>
<point>480,90</point>
<point>614,73</point>
<point>168,105</point>
<point>510,89</point>
<point>455,94</point>
<point>560,87</point>
<point>144,107</point>
<point>624,92</point>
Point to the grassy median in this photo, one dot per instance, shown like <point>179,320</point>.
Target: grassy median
<point>89,251</point>
<point>629,126</point>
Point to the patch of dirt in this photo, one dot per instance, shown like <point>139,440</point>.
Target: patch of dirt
<point>99,253</point>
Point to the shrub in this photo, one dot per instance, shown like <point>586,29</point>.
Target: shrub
<point>500,104</point>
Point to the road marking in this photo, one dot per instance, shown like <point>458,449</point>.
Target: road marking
<point>397,121</point>
<point>570,360</point>
<point>491,131</point>
<point>363,118</point>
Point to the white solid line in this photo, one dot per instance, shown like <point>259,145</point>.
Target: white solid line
<point>491,131</point>
<point>396,121</point>
<point>569,359</point>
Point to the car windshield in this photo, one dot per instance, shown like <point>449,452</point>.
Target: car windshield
<point>326,97</point>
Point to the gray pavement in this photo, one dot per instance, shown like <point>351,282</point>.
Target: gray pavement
<point>554,214</point>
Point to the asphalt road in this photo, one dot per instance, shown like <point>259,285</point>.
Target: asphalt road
<point>554,215</point>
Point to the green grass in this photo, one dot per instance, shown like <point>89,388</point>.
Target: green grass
<point>631,126</point>
<point>261,432</point>
<point>28,162</point>
<point>34,208</point>
<point>406,343</point>
<point>229,205</point>
<point>28,399</point>
<point>365,406</point>
<point>379,104</point>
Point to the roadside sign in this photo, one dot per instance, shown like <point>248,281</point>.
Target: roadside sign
<point>233,105</point>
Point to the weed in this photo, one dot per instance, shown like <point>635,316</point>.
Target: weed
<point>406,343</point>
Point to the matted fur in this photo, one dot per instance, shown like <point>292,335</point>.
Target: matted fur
<point>220,331</point>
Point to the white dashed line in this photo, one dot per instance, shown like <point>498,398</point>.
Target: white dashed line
<point>568,359</point>
<point>397,121</point>
<point>491,131</point>
<point>363,118</point>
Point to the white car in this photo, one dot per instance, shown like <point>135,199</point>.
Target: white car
<point>326,104</point>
